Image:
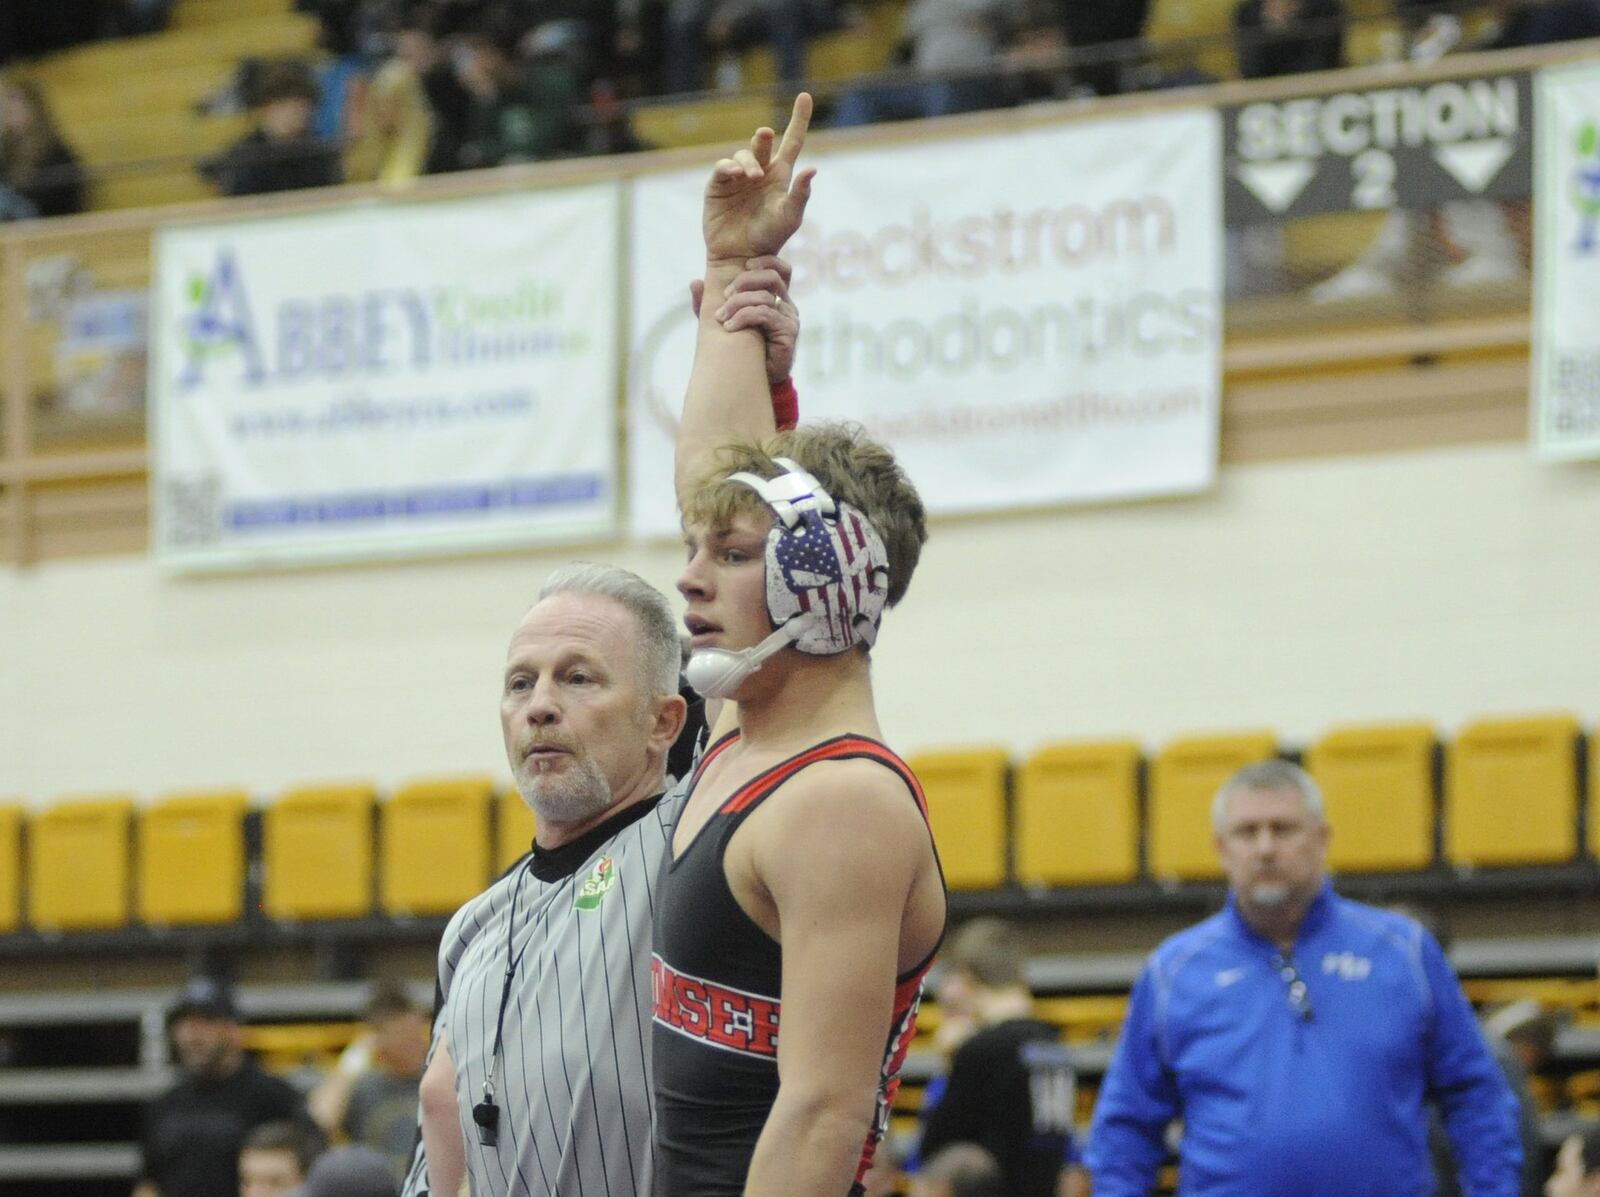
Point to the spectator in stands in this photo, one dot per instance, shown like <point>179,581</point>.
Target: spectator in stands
<point>960,1170</point>
<point>1288,37</point>
<point>33,27</point>
<point>357,1171</point>
<point>522,108</point>
<point>1011,1087</point>
<point>1531,23</point>
<point>417,44</point>
<point>696,28</point>
<point>639,46</point>
<point>132,18</point>
<point>1577,1171</point>
<point>193,1134</point>
<point>1035,65</point>
<point>393,127</point>
<point>354,35</point>
<point>372,1096</point>
<point>1298,1035</point>
<point>39,173</point>
<point>1106,33</point>
<point>280,153</point>
<point>953,45</point>
<point>275,1160</point>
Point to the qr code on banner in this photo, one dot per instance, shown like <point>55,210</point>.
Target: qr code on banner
<point>193,510</point>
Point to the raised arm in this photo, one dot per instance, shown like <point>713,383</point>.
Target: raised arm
<point>838,853</point>
<point>753,205</point>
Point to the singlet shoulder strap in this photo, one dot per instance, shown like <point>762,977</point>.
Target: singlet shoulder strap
<point>711,753</point>
<point>756,791</point>
<point>846,747</point>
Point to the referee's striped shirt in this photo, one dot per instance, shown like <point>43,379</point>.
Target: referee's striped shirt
<point>573,1081</point>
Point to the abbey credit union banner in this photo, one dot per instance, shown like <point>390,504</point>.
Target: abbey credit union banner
<point>1028,318</point>
<point>1565,411</point>
<point>385,381</point>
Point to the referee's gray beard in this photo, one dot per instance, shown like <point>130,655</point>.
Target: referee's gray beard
<point>579,793</point>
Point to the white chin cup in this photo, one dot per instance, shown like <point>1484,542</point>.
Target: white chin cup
<point>719,672</point>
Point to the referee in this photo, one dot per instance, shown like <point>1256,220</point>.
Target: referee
<point>539,1080</point>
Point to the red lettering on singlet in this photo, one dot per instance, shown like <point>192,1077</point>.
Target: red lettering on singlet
<point>715,1014</point>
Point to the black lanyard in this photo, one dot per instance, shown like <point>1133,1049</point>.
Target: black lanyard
<point>486,1114</point>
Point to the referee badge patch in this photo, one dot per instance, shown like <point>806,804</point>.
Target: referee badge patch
<point>596,885</point>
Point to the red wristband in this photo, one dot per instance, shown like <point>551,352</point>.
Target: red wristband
<point>785,405</point>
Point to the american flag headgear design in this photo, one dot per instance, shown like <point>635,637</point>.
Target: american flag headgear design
<point>827,569</point>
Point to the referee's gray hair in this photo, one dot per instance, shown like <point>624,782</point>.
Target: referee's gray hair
<point>661,649</point>
<point>1268,775</point>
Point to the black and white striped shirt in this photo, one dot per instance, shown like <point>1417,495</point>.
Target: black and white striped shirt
<point>573,1080</point>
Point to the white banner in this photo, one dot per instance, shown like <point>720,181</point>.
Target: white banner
<point>1565,411</point>
<point>386,381</point>
<point>1026,318</point>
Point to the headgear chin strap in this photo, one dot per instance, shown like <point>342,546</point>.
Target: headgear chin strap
<point>827,580</point>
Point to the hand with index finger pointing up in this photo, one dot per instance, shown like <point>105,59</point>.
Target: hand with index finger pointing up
<point>755,200</point>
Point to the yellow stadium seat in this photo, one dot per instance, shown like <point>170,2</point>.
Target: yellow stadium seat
<point>78,864</point>
<point>284,1047</point>
<point>1511,792</point>
<point>1378,786</point>
<point>10,866</point>
<point>1184,778</point>
<point>1594,792</point>
<point>434,845</point>
<point>1193,33</point>
<point>1088,1019</point>
<point>1078,814</point>
<point>967,809</point>
<point>191,863</point>
<point>317,853</point>
<point>514,828</point>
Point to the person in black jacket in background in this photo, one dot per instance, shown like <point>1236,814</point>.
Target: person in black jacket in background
<point>194,1132</point>
<point>1288,37</point>
<point>39,173</point>
<point>1011,1088</point>
<point>280,153</point>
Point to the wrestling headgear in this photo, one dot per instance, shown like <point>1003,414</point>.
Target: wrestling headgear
<point>827,580</point>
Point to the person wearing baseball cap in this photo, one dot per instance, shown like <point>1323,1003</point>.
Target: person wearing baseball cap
<point>353,1171</point>
<point>194,1132</point>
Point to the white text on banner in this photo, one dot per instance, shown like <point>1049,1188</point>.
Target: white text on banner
<point>1027,319</point>
<point>1565,411</point>
<point>386,381</point>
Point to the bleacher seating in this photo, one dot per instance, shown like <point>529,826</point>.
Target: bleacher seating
<point>128,106</point>
<point>1378,785</point>
<point>79,864</point>
<point>1077,814</point>
<point>434,845</point>
<point>11,815</point>
<point>1592,808</point>
<point>514,828</point>
<point>190,859</point>
<point>1511,792</point>
<point>966,793</point>
<point>318,852</point>
<point>1184,778</point>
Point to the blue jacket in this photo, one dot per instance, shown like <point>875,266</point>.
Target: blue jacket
<point>1323,1099</point>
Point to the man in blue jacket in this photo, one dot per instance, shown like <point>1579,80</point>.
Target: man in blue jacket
<point>1298,1035</point>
